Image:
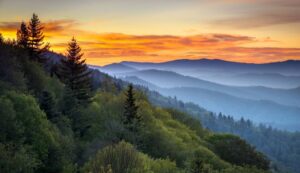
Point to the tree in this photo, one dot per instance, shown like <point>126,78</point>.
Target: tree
<point>236,151</point>
<point>198,166</point>
<point>23,36</point>
<point>36,37</point>
<point>130,109</point>
<point>1,39</point>
<point>75,73</point>
<point>47,104</point>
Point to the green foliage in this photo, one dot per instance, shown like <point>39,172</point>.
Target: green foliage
<point>131,118</point>
<point>28,127</point>
<point>11,74</point>
<point>188,120</point>
<point>16,160</point>
<point>276,144</point>
<point>36,77</point>
<point>164,137</point>
<point>47,104</point>
<point>238,169</point>
<point>167,140</point>
<point>130,108</point>
<point>236,151</point>
<point>124,158</point>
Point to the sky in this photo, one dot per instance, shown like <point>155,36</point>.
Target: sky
<point>110,31</point>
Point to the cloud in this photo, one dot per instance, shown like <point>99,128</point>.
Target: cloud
<point>270,3</point>
<point>9,26</point>
<point>113,47</point>
<point>59,25</point>
<point>130,45</point>
<point>261,54</point>
<point>260,20</point>
<point>49,26</point>
<point>259,13</point>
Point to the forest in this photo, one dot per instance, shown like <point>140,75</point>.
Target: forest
<point>64,117</point>
<point>281,147</point>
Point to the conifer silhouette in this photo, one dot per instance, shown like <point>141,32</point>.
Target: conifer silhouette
<point>36,37</point>
<point>47,104</point>
<point>130,108</point>
<point>74,72</point>
<point>23,36</point>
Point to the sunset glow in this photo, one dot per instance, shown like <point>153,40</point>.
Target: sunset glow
<point>156,31</point>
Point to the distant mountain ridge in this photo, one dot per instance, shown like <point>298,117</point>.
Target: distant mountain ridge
<point>190,63</point>
<point>259,111</point>
<point>285,74</point>
<point>167,79</point>
<point>265,93</point>
<point>206,60</point>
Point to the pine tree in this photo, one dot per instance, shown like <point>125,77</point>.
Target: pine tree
<point>36,37</point>
<point>47,104</point>
<point>74,72</point>
<point>130,109</point>
<point>197,164</point>
<point>23,36</point>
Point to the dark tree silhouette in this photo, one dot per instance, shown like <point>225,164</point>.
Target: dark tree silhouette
<point>74,72</point>
<point>23,36</point>
<point>130,109</point>
<point>1,39</point>
<point>47,104</point>
<point>36,37</point>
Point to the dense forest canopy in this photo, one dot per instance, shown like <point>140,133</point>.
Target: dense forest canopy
<point>276,144</point>
<point>60,117</point>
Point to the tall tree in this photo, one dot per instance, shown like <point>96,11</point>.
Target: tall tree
<point>130,109</point>
<point>23,35</point>
<point>36,37</point>
<point>75,74</point>
<point>47,104</point>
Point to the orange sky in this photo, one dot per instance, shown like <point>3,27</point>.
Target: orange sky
<point>156,31</point>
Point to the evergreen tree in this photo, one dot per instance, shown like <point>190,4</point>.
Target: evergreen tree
<point>75,73</point>
<point>130,110</point>
<point>23,36</point>
<point>36,37</point>
<point>197,164</point>
<point>47,104</point>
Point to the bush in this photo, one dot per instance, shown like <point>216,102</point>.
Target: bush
<point>121,157</point>
<point>124,158</point>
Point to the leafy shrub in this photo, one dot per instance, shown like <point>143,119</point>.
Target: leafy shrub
<point>124,158</point>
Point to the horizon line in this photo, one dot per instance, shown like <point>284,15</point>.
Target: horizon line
<point>186,59</point>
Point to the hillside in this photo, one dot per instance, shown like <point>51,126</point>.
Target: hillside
<point>260,104</point>
<point>273,75</point>
<point>49,126</point>
<point>170,79</point>
<point>265,138</point>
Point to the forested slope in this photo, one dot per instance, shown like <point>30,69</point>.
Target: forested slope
<point>55,118</point>
<point>281,147</point>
